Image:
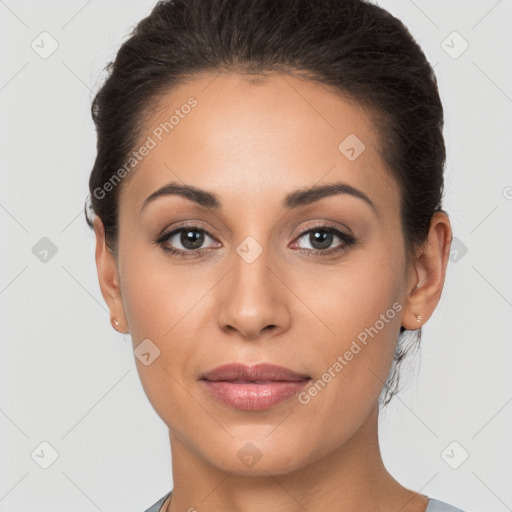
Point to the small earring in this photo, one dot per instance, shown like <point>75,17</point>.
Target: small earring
<point>115,323</point>
<point>418,318</point>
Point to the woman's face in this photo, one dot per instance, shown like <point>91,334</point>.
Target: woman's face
<point>260,281</point>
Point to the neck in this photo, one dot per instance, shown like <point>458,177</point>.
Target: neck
<point>351,477</point>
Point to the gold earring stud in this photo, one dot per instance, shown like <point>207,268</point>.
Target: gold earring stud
<point>116,324</point>
<point>418,318</point>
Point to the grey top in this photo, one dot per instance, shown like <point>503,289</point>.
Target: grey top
<point>433,505</point>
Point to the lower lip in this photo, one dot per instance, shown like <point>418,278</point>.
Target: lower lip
<point>253,396</point>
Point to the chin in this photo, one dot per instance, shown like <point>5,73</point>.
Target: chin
<point>259,458</point>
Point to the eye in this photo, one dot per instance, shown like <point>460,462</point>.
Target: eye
<point>191,239</point>
<point>321,238</point>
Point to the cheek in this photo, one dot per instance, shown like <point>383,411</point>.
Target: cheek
<point>360,308</point>
<point>157,293</point>
<point>163,303</point>
<point>353,297</point>
<point>159,304</point>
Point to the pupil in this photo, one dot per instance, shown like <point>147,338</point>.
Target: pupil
<point>324,239</point>
<point>195,238</point>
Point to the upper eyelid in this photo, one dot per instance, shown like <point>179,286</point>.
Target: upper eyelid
<point>326,224</point>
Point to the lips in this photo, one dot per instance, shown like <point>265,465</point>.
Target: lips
<point>253,388</point>
<point>263,372</point>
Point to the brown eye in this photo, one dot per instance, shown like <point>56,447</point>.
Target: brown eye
<point>321,239</point>
<point>190,238</point>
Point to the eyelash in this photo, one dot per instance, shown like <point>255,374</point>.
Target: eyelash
<point>348,240</point>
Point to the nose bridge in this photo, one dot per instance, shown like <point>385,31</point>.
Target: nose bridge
<point>251,266</point>
<point>251,296</point>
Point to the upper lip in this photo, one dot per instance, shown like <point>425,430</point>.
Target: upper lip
<point>258,372</point>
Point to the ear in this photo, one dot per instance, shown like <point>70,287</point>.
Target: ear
<point>426,283</point>
<point>108,276</point>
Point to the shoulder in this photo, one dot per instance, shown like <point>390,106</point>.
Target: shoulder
<point>156,506</point>
<point>440,506</point>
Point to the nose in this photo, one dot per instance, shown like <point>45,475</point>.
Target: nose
<point>253,300</point>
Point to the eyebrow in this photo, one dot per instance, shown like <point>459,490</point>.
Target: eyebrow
<point>296,199</point>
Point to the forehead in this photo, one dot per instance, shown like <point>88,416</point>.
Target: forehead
<point>257,137</point>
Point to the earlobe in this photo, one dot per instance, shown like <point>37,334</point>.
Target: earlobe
<point>430,271</point>
<point>117,325</point>
<point>109,278</point>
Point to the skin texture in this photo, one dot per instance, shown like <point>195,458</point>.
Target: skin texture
<point>252,144</point>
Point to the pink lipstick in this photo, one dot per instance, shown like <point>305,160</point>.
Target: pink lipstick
<point>253,388</point>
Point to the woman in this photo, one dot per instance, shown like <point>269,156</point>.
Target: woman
<point>267,208</point>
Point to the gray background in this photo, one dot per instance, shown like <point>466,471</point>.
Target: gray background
<point>68,379</point>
